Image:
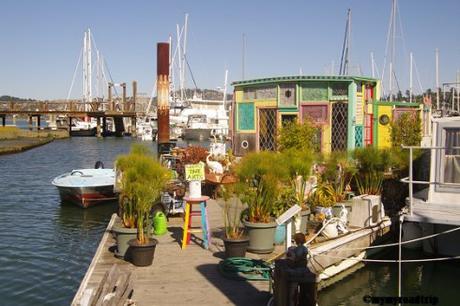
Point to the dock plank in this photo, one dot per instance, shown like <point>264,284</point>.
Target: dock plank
<point>178,277</point>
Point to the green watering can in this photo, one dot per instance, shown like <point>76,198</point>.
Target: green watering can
<point>160,223</point>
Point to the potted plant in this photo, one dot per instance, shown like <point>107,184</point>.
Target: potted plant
<point>286,200</point>
<point>339,170</point>
<point>260,181</point>
<point>126,228</point>
<point>235,240</point>
<point>371,164</point>
<point>299,164</point>
<point>143,179</point>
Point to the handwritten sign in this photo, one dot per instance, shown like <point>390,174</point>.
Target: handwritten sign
<point>194,172</point>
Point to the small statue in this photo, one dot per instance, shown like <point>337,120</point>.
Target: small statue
<point>297,255</point>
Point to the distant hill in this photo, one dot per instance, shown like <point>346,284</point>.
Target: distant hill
<point>11,98</point>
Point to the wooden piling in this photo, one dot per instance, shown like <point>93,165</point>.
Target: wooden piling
<point>163,92</point>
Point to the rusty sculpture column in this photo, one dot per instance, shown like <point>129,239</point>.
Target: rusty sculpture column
<point>163,94</point>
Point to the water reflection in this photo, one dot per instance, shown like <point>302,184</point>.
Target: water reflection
<point>438,279</point>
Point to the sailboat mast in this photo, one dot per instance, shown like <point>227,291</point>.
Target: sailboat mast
<point>458,91</point>
<point>393,47</point>
<point>179,50</point>
<point>243,56</point>
<point>184,54</point>
<point>410,78</point>
<point>372,65</point>
<point>438,104</point>
<point>343,70</point>
<point>224,100</point>
<point>90,93</point>
<point>85,60</point>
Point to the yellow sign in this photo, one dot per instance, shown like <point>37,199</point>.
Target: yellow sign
<point>194,172</point>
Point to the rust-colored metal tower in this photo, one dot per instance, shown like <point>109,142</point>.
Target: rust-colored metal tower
<point>163,93</point>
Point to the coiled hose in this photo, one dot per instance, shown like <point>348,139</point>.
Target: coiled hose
<point>241,268</point>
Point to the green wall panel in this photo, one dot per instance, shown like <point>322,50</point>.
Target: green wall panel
<point>315,91</point>
<point>359,135</point>
<point>246,116</point>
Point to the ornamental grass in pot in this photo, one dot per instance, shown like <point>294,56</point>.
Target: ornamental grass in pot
<point>298,163</point>
<point>126,228</point>
<point>260,177</point>
<point>143,179</point>
<point>235,239</point>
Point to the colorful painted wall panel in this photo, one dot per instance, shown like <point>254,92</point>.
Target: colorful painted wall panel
<point>246,115</point>
<point>287,97</point>
<point>260,92</point>
<point>359,117</point>
<point>318,113</point>
<point>315,91</point>
<point>359,136</point>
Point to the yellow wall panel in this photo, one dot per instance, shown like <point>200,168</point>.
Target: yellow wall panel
<point>384,136</point>
<point>265,103</point>
<point>238,95</point>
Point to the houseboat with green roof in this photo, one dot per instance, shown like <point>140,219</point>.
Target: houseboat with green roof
<point>346,110</point>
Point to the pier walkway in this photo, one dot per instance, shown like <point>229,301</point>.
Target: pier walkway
<point>178,277</point>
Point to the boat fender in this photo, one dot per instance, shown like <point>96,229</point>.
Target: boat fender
<point>99,165</point>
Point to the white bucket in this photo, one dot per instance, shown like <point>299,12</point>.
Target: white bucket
<point>195,189</point>
<point>330,231</point>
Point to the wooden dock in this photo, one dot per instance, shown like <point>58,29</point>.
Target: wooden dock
<point>178,277</point>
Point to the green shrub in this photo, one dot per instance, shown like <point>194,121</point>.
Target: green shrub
<point>371,164</point>
<point>406,130</point>
<point>299,136</point>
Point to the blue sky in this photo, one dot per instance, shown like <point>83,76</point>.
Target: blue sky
<point>40,40</point>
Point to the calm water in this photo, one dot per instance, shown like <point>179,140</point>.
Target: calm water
<point>439,279</point>
<point>47,246</point>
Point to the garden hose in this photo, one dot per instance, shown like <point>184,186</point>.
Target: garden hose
<point>241,268</point>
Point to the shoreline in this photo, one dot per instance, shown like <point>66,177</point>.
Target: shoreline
<point>14,140</point>
<point>18,145</point>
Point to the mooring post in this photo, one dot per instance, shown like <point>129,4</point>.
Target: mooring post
<point>30,123</point>
<point>3,120</point>
<point>123,102</point>
<point>38,122</point>
<point>133,127</point>
<point>104,126</point>
<point>109,96</point>
<point>98,127</point>
<point>70,126</point>
<point>133,107</point>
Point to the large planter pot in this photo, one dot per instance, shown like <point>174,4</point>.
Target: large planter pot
<point>280,234</point>
<point>123,235</point>
<point>235,247</point>
<point>261,236</point>
<point>141,255</point>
